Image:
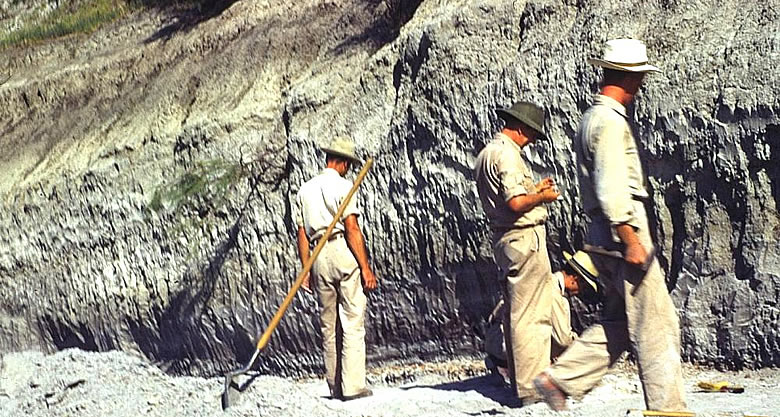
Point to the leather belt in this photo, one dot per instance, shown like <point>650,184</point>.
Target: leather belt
<point>333,236</point>
<point>597,212</point>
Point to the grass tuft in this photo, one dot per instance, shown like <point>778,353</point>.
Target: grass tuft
<point>85,18</point>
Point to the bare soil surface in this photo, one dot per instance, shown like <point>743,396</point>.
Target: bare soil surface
<point>79,383</point>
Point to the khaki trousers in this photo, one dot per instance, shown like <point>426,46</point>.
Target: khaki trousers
<point>343,310</point>
<point>638,314</point>
<point>562,333</point>
<point>521,256</point>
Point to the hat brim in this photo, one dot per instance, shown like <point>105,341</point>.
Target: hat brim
<point>622,67</point>
<point>508,114</point>
<point>582,272</point>
<point>351,157</point>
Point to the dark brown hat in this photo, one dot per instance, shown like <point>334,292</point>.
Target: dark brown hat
<point>528,113</point>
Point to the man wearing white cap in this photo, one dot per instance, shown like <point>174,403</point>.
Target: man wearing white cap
<point>578,277</point>
<point>338,271</point>
<point>638,312</point>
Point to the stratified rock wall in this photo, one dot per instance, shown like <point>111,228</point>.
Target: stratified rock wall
<point>93,127</point>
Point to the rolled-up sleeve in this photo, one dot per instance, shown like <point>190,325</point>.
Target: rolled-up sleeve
<point>610,174</point>
<point>511,175</point>
<point>352,206</point>
<point>299,210</point>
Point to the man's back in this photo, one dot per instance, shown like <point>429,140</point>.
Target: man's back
<point>319,200</point>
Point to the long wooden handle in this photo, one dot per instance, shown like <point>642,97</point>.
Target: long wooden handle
<point>263,341</point>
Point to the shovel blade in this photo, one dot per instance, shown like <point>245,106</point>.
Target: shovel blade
<point>230,392</point>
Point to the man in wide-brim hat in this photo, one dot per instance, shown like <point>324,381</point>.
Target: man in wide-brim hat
<point>638,311</point>
<point>341,271</point>
<point>514,207</point>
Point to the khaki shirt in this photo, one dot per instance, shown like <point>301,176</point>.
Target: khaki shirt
<point>319,199</point>
<point>612,183</point>
<point>502,174</point>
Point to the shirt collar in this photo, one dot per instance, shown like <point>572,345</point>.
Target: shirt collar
<point>612,104</point>
<point>507,139</point>
<point>330,171</point>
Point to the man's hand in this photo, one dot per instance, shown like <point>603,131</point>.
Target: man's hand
<point>306,284</point>
<point>547,190</point>
<point>545,184</point>
<point>545,193</point>
<point>369,279</point>
<point>635,254</point>
<point>549,195</point>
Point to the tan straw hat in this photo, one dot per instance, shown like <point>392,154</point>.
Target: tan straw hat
<point>625,55</point>
<point>583,265</point>
<point>342,146</point>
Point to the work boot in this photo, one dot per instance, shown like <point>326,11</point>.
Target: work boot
<point>553,396</point>
<point>365,392</point>
<point>499,373</point>
<point>526,401</point>
<point>335,393</point>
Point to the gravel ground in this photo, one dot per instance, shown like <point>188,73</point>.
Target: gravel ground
<point>78,383</point>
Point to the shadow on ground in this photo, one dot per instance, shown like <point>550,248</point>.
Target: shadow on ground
<point>488,386</point>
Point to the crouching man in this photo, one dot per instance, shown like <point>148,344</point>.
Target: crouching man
<point>577,278</point>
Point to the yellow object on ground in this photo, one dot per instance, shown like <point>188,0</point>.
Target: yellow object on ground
<point>720,386</point>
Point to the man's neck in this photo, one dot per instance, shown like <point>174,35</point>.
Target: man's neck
<point>515,137</point>
<point>338,167</point>
<point>618,94</point>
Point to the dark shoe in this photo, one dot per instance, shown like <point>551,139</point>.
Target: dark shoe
<point>526,401</point>
<point>335,394</point>
<point>553,396</point>
<point>364,393</point>
<point>499,373</point>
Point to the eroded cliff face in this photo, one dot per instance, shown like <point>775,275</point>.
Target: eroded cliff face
<point>94,126</point>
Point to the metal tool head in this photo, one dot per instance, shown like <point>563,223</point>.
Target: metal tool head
<point>231,389</point>
<point>227,394</point>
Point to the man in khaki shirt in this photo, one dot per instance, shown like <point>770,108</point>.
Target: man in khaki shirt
<point>638,311</point>
<point>514,208</point>
<point>341,271</point>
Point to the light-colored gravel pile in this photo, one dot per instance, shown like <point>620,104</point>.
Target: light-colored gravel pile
<point>86,384</point>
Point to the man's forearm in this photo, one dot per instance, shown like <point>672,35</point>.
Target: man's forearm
<point>525,202</point>
<point>627,234</point>
<point>634,253</point>
<point>303,246</point>
<point>357,245</point>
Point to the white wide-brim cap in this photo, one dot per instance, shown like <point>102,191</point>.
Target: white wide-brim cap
<point>625,55</point>
<point>342,146</point>
<point>583,266</point>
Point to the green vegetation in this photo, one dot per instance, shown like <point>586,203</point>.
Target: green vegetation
<point>202,189</point>
<point>196,198</point>
<point>86,17</point>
